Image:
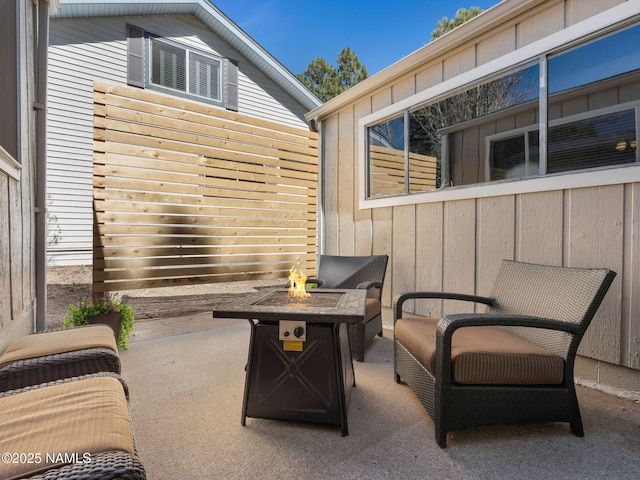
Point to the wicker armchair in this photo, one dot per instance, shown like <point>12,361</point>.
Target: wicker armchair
<point>366,272</point>
<point>513,363</point>
<point>56,354</point>
<point>38,430</point>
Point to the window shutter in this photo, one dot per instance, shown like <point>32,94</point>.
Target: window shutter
<point>135,56</point>
<point>232,85</point>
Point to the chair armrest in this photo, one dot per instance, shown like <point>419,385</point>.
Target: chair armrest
<point>400,299</point>
<point>371,286</point>
<point>450,323</point>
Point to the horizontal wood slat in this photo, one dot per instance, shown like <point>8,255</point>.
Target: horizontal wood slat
<point>387,167</point>
<point>186,193</point>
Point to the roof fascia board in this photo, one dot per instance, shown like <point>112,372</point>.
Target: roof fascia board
<point>613,16</point>
<point>486,21</point>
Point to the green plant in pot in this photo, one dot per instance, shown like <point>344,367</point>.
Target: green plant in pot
<point>109,310</point>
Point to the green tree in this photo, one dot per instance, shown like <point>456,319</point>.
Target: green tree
<point>351,70</point>
<point>462,15</point>
<point>327,81</point>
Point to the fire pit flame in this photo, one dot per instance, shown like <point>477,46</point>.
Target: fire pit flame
<point>297,279</point>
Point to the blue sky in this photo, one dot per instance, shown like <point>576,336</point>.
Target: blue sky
<point>380,32</point>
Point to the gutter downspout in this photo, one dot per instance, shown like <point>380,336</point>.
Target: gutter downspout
<point>40,106</point>
<point>317,126</point>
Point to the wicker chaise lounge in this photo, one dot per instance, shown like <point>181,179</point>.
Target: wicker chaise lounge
<point>367,272</point>
<point>513,363</point>
<point>54,355</point>
<point>76,428</point>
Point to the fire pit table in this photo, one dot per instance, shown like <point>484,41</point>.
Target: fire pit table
<point>299,365</point>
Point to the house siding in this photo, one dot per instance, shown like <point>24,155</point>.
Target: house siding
<point>88,49</point>
<point>458,245</point>
<point>18,282</point>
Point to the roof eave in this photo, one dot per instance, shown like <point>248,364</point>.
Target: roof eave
<point>210,16</point>
<point>487,20</point>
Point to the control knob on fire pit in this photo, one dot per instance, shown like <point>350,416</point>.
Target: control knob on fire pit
<point>298,332</point>
<point>292,330</point>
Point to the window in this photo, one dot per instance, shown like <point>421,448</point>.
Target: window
<point>596,140</point>
<point>387,159</point>
<point>514,156</point>
<point>168,66</point>
<point>9,113</point>
<point>179,70</point>
<point>493,129</point>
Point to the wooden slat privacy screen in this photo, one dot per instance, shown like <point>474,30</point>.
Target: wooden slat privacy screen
<point>185,193</point>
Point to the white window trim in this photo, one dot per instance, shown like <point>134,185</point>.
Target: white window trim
<point>516,132</point>
<point>601,176</point>
<point>9,165</point>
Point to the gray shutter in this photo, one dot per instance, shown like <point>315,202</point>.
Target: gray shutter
<point>232,85</point>
<point>135,56</point>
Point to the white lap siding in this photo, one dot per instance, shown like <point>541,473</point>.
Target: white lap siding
<point>84,50</point>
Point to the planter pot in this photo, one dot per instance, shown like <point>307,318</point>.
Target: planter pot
<point>112,319</point>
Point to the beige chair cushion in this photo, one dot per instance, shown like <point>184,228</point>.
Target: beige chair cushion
<point>60,341</point>
<point>84,416</point>
<point>372,309</point>
<point>482,355</point>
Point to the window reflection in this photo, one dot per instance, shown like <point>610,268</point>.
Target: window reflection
<point>386,158</point>
<point>515,156</point>
<point>590,90</point>
<point>453,117</point>
<point>597,141</point>
<point>603,58</point>
<point>491,131</point>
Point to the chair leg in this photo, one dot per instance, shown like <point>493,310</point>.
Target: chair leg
<point>357,333</point>
<point>441,438</point>
<point>360,343</point>
<point>576,425</point>
<point>362,334</point>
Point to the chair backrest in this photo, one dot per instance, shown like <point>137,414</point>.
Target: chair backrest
<point>568,294</point>
<point>337,271</point>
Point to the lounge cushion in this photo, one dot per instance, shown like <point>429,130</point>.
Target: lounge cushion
<point>73,418</point>
<point>481,355</point>
<point>59,341</point>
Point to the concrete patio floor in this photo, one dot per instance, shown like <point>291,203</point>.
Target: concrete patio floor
<point>186,379</point>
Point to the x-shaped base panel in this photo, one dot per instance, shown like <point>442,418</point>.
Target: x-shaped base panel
<point>312,385</point>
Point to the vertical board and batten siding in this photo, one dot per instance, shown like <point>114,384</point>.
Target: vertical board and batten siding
<point>382,226</point>
<point>17,179</point>
<point>458,245</point>
<point>330,191</point>
<point>86,49</point>
<point>346,184</point>
<point>187,193</point>
<point>362,218</point>
<point>5,258</point>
